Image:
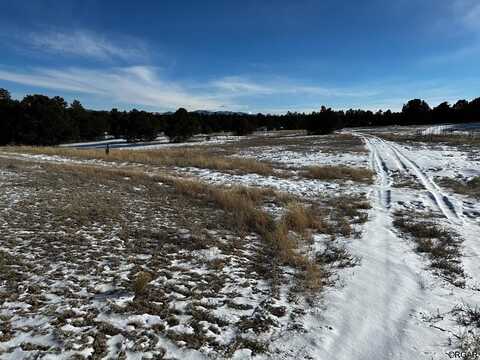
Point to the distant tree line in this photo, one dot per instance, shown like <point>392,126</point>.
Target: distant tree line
<point>41,120</point>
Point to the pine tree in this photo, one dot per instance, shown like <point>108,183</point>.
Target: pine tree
<point>181,126</point>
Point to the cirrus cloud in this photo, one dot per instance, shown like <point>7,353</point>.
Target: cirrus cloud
<point>87,44</point>
<point>138,85</point>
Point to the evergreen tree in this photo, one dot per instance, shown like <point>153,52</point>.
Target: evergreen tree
<point>442,113</point>
<point>5,95</point>
<point>8,118</point>
<point>139,127</point>
<point>244,126</point>
<point>43,121</point>
<point>181,126</point>
<point>416,112</point>
<point>323,122</point>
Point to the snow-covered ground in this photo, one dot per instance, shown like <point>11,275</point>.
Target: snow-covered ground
<point>296,159</point>
<point>159,142</point>
<point>452,128</point>
<point>391,305</point>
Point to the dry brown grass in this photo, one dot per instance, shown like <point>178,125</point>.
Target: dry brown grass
<point>333,143</point>
<point>241,202</point>
<point>340,142</point>
<point>439,244</point>
<point>301,219</point>
<point>245,216</point>
<point>314,277</point>
<point>469,188</point>
<point>229,198</point>
<point>86,208</point>
<point>287,249</point>
<point>104,173</point>
<point>450,139</point>
<point>344,173</point>
<point>192,188</point>
<point>241,205</point>
<point>298,218</point>
<point>153,219</point>
<point>140,282</point>
<point>178,157</point>
<point>349,206</point>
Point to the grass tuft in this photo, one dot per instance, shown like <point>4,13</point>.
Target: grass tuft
<point>140,282</point>
<point>470,187</point>
<point>344,173</point>
<point>298,218</point>
<point>438,244</point>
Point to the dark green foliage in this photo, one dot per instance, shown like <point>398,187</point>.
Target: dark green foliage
<point>244,126</point>
<point>324,122</point>
<point>40,120</point>
<point>416,112</point>
<point>442,113</point>
<point>139,126</point>
<point>5,95</point>
<point>43,121</point>
<point>8,117</point>
<point>87,124</point>
<point>181,126</point>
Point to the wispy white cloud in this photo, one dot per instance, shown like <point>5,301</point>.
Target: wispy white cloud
<point>144,86</point>
<point>244,86</point>
<point>87,44</point>
<point>240,86</point>
<point>139,85</point>
<point>468,12</point>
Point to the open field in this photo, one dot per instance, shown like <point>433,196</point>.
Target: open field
<point>275,246</point>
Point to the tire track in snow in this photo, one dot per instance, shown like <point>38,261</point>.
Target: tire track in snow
<point>443,202</point>
<point>371,318</point>
<point>467,229</point>
<point>379,166</point>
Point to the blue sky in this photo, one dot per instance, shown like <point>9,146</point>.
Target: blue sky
<point>249,55</point>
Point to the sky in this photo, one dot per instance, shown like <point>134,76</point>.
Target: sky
<point>253,56</point>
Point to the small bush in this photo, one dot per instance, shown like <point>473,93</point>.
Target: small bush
<point>338,256</point>
<point>314,277</point>
<point>438,244</point>
<point>298,218</point>
<point>140,282</point>
<point>469,340</point>
<point>467,315</point>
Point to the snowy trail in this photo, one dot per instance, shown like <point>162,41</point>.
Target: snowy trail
<point>447,204</point>
<point>384,184</point>
<point>443,202</point>
<point>376,315</point>
<point>373,317</point>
